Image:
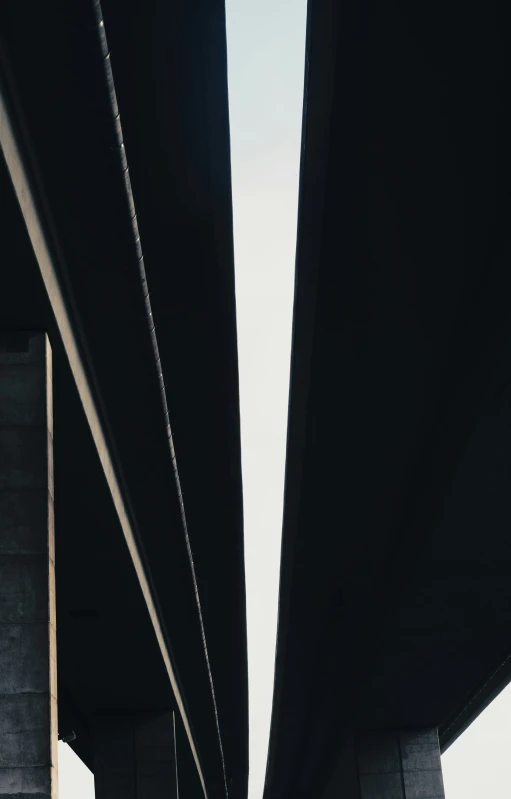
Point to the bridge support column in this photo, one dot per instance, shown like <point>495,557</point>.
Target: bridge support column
<point>402,764</point>
<point>28,671</point>
<point>134,757</point>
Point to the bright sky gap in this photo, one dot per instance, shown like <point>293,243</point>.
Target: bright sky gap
<point>266,52</point>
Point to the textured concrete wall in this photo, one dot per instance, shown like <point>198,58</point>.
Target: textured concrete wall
<point>402,764</point>
<point>28,673</point>
<point>134,757</point>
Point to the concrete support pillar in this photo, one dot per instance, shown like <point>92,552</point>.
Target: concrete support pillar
<point>402,764</point>
<point>28,671</point>
<point>134,757</point>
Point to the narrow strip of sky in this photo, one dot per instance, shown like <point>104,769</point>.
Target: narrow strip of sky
<point>266,53</point>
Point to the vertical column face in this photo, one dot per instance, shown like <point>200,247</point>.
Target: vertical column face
<point>115,774</point>
<point>28,671</point>
<point>400,764</point>
<point>134,757</point>
<point>156,766</point>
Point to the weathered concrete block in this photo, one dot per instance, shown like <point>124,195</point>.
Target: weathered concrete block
<point>22,395</point>
<point>21,673</point>
<point>24,730</point>
<point>402,764</point>
<point>24,591</point>
<point>423,784</point>
<point>28,667</point>
<point>25,524</point>
<point>26,783</point>
<point>23,457</point>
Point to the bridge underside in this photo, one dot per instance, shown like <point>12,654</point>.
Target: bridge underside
<point>395,602</point>
<point>109,661</point>
<point>170,72</point>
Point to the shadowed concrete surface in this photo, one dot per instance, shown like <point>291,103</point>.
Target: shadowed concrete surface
<point>126,599</point>
<point>383,764</point>
<point>403,764</point>
<point>395,593</point>
<point>28,655</point>
<point>134,758</point>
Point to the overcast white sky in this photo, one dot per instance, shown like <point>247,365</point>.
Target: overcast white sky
<point>478,765</point>
<point>266,41</point>
<point>266,46</point>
